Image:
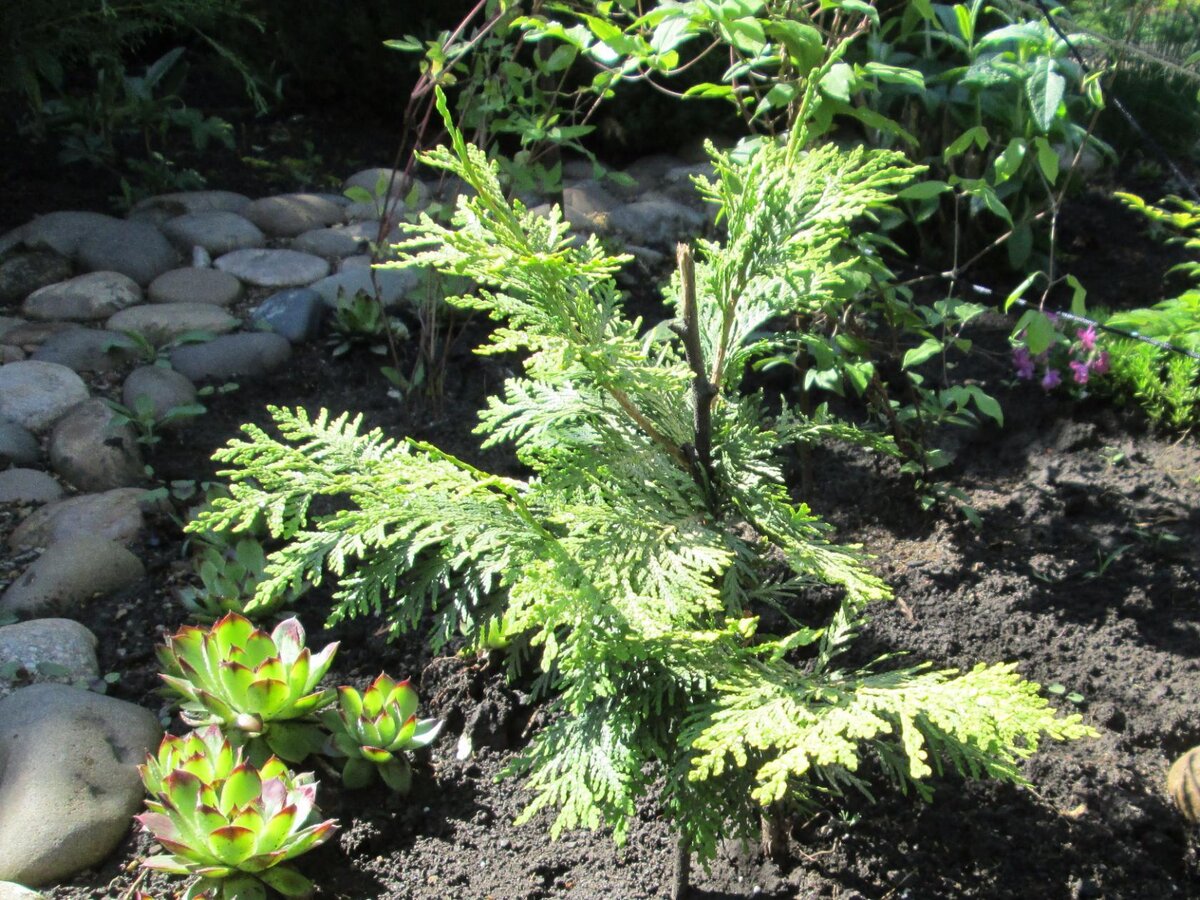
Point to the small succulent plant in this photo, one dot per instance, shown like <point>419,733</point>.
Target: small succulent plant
<point>375,730</point>
<point>228,579</point>
<point>229,823</point>
<point>256,686</point>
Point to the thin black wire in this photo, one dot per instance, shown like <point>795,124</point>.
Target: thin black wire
<point>1155,146</point>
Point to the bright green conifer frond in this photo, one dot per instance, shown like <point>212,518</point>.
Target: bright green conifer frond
<point>655,529</point>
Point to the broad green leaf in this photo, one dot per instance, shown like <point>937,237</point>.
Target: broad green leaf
<point>1009,161</point>
<point>1045,89</point>
<point>977,135</point>
<point>1019,291</point>
<point>895,74</point>
<point>1047,159</point>
<point>924,190</point>
<point>1020,245</point>
<point>838,82</point>
<point>1078,296</point>
<point>926,350</point>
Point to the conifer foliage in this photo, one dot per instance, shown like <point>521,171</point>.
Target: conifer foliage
<point>656,527</point>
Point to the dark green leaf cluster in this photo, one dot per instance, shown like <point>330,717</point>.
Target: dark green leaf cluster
<point>656,527</point>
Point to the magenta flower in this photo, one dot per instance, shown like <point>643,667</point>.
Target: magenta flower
<point>1087,338</point>
<point>1099,365</point>
<point>1022,362</point>
<point>1051,380</point>
<point>1079,371</point>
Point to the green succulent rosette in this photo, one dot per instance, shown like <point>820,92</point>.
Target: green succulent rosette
<point>375,731</point>
<point>257,687</point>
<point>228,823</point>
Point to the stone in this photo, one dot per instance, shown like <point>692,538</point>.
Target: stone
<point>12,239</point>
<point>164,389</point>
<point>9,353</point>
<point>162,323</point>
<point>23,273</point>
<point>32,335</point>
<point>28,486</point>
<point>96,295</point>
<point>394,284</point>
<point>88,350</point>
<point>194,285</point>
<point>331,243</point>
<point>289,215</point>
<point>8,323</point>
<point>678,185</point>
<point>181,203</point>
<point>114,515</point>
<point>71,572</point>
<point>10,890</point>
<point>92,451</point>
<point>296,314</point>
<point>70,783</point>
<point>656,222</point>
<point>136,249</point>
<point>588,206</point>
<point>649,170</point>
<point>216,232</point>
<point>63,230</point>
<point>243,355</point>
<point>17,446</point>
<point>34,393</point>
<point>34,645</point>
<point>274,268</point>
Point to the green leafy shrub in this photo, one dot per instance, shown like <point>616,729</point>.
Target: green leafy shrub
<point>231,824</point>
<point>257,687</point>
<point>655,528</point>
<point>375,729</point>
<point>1165,383</point>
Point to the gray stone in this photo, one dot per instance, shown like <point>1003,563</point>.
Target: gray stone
<point>28,486</point>
<point>23,273</point>
<point>182,203</point>
<point>70,782</point>
<point>8,323</point>
<point>92,451</point>
<point>216,232</point>
<point>588,206</point>
<point>193,285</point>
<point>31,335</point>
<point>9,353</point>
<point>70,572</point>
<point>649,170</point>
<point>331,243</point>
<point>394,284</point>
<point>34,645</point>
<point>288,215</point>
<point>17,446</point>
<point>96,295</point>
<point>88,350</point>
<point>274,268</point>
<point>12,239</point>
<point>243,355</point>
<point>361,261</point>
<point>12,891</point>
<point>295,314</point>
<point>657,222</point>
<point>63,230</point>
<point>34,394</point>
<point>135,249</point>
<point>115,515</point>
<point>162,323</point>
<point>164,389</point>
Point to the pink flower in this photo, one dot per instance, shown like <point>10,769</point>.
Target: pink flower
<point>1099,365</point>
<point>1051,380</point>
<point>1087,338</point>
<point>1079,371</point>
<point>1022,362</point>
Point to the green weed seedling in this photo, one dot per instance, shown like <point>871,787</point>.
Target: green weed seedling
<point>654,529</point>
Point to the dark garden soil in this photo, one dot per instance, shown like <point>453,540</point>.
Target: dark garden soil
<point>1086,572</point>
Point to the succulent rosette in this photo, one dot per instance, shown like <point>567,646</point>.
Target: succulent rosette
<point>228,823</point>
<point>375,730</point>
<point>252,684</point>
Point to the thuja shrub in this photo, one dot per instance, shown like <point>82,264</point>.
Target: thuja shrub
<point>656,525</point>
